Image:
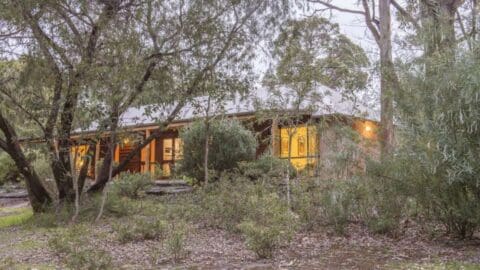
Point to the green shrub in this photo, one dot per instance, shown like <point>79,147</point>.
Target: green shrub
<point>268,224</point>
<point>115,206</point>
<point>326,203</point>
<point>267,168</point>
<point>307,203</point>
<point>224,204</point>
<point>132,185</point>
<point>262,240</point>
<point>141,229</point>
<point>230,143</point>
<point>176,240</point>
<point>439,128</point>
<point>8,170</point>
<point>55,216</point>
<point>336,208</point>
<point>76,252</point>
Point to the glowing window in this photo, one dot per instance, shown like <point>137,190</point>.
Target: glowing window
<point>78,154</point>
<point>178,149</point>
<point>303,145</point>
<point>167,149</point>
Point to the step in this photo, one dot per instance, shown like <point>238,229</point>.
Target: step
<point>164,190</point>
<point>14,195</point>
<point>170,183</point>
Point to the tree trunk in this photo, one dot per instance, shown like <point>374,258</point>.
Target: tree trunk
<point>206,143</point>
<point>37,194</point>
<point>113,140</point>
<point>205,156</point>
<point>438,30</point>
<point>63,173</point>
<point>388,80</point>
<point>84,169</point>
<point>438,36</point>
<point>107,165</point>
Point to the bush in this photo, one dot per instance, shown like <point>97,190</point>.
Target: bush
<point>327,203</point>
<point>267,168</point>
<point>8,170</point>
<point>440,119</point>
<point>336,208</point>
<point>260,239</point>
<point>132,185</point>
<point>76,251</point>
<point>175,242</point>
<point>56,216</point>
<point>268,224</point>
<point>238,205</point>
<point>383,196</point>
<point>141,229</point>
<point>230,143</point>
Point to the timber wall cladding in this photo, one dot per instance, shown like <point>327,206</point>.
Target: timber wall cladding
<point>134,165</point>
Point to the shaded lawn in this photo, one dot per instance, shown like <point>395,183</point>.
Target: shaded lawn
<point>10,216</point>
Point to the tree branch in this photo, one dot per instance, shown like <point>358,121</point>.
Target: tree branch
<point>405,14</point>
<point>44,40</point>
<point>193,86</point>
<point>331,6</point>
<point>77,36</point>
<point>23,109</point>
<point>369,22</point>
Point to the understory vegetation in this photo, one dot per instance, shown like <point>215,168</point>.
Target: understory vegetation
<point>239,204</point>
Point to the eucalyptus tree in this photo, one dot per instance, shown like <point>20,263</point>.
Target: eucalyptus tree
<point>198,42</point>
<point>94,59</point>
<point>436,25</point>
<point>380,29</point>
<point>312,56</point>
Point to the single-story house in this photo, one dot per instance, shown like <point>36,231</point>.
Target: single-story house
<point>268,114</point>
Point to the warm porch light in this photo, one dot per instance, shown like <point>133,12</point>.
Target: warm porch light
<point>367,129</point>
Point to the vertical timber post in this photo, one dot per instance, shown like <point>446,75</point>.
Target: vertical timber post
<point>97,158</point>
<point>275,138</point>
<point>148,153</point>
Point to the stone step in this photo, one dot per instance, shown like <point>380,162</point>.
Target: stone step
<point>164,190</point>
<point>170,183</point>
<point>14,195</point>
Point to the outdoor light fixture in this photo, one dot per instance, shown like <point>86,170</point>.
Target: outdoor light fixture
<point>368,128</point>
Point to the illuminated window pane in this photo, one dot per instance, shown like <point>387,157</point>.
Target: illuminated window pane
<point>78,154</point>
<point>284,146</point>
<point>178,149</point>
<point>167,149</point>
<point>301,146</point>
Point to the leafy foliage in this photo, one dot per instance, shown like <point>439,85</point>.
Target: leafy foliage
<point>439,153</point>
<point>132,185</point>
<point>176,240</point>
<point>313,51</point>
<point>76,251</point>
<point>268,224</point>
<point>267,168</point>
<point>8,172</point>
<point>230,143</point>
<point>141,229</point>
